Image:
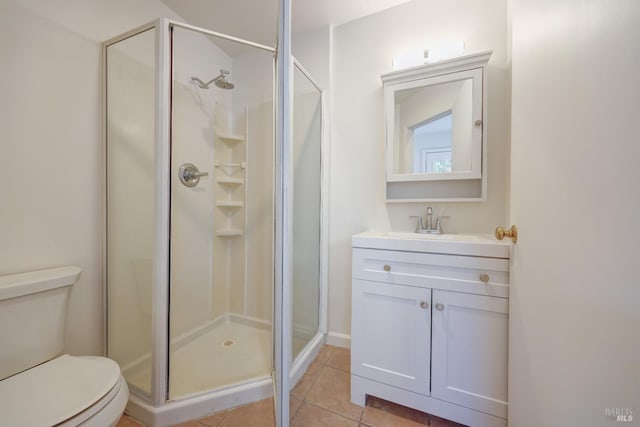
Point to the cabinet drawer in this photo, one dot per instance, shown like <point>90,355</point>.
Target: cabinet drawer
<point>476,275</point>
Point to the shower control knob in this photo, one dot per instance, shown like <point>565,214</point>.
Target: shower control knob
<point>189,174</point>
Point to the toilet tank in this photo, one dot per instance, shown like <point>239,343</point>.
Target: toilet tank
<point>33,309</point>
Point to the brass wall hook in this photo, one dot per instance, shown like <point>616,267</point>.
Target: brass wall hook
<point>512,233</point>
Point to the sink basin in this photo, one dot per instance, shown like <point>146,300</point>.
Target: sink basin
<point>483,245</point>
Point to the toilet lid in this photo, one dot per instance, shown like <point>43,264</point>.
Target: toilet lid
<point>54,391</point>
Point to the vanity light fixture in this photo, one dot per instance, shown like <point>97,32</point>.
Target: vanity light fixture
<point>445,50</point>
<point>437,52</point>
<point>409,58</point>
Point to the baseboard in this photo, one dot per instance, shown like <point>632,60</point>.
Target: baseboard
<point>176,412</point>
<point>339,340</point>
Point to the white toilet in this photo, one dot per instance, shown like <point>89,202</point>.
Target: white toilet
<point>40,386</point>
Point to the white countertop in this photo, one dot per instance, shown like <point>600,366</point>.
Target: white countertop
<point>483,245</point>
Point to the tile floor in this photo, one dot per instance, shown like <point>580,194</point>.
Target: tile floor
<point>321,398</point>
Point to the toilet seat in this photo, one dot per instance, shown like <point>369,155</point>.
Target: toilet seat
<point>67,390</point>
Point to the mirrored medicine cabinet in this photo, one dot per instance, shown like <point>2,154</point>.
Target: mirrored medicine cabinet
<point>436,131</point>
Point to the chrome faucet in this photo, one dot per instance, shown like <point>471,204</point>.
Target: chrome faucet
<point>429,220</point>
<point>429,228</point>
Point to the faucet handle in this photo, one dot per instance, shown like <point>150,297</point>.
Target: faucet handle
<point>439,223</point>
<point>419,223</point>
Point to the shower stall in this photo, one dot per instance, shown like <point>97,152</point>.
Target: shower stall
<point>190,200</point>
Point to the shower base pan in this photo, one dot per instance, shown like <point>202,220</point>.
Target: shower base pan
<point>220,366</point>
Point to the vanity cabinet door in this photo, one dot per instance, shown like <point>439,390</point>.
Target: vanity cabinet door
<point>469,351</point>
<point>391,334</point>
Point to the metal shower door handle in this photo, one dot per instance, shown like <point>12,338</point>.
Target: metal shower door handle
<point>189,174</point>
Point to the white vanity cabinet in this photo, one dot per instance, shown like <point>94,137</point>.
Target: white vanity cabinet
<point>429,330</point>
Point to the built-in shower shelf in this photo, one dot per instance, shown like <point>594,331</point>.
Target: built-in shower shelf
<point>230,138</point>
<point>231,182</point>
<point>230,168</point>
<point>229,204</point>
<point>228,232</point>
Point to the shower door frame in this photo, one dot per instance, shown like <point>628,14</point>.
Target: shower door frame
<point>287,369</point>
<point>161,200</point>
<point>300,363</point>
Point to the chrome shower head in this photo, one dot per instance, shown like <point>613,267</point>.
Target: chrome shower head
<point>220,80</point>
<point>222,83</point>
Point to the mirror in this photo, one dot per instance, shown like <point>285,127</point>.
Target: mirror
<point>433,128</point>
<point>434,119</point>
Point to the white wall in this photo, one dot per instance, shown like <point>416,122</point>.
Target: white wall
<point>574,338</point>
<point>361,51</point>
<point>313,50</point>
<point>50,155</point>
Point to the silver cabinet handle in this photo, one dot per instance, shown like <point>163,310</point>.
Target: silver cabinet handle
<point>424,304</point>
<point>439,306</point>
<point>189,174</point>
<point>386,267</point>
<point>484,278</point>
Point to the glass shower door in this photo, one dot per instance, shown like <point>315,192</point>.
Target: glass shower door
<point>221,273</point>
<point>307,133</point>
<point>191,304</point>
<point>130,205</point>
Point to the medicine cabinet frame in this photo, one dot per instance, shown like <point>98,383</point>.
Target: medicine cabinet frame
<point>468,185</point>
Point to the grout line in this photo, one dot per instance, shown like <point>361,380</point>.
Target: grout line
<point>304,398</point>
<point>323,367</point>
<point>297,410</point>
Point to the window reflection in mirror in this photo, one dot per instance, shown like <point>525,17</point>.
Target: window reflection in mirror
<point>433,128</point>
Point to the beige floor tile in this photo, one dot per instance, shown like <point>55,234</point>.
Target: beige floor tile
<point>324,354</point>
<point>127,421</point>
<point>382,412</point>
<point>379,418</point>
<point>301,389</point>
<point>212,420</point>
<point>340,359</point>
<point>192,423</point>
<point>258,414</point>
<point>321,359</point>
<point>312,416</point>
<point>294,405</point>
<point>332,391</point>
<point>441,422</point>
<point>308,378</point>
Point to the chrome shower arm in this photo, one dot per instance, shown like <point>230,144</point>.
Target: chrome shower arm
<point>199,82</point>
<point>204,85</point>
